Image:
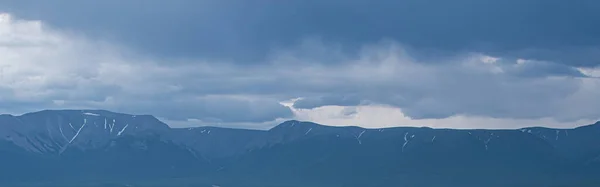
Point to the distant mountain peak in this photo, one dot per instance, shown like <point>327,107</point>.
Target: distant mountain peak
<point>86,112</point>
<point>57,131</point>
<point>296,123</point>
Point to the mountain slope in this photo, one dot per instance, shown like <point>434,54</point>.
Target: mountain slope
<point>76,145</point>
<point>85,145</point>
<point>409,156</point>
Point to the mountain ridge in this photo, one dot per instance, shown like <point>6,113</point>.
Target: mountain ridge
<point>103,145</point>
<point>93,112</point>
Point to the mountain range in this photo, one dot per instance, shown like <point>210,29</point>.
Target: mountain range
<point>103,148</point>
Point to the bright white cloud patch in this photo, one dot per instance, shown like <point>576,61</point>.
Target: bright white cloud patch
<point>380,116</point>
<point>43,67</point>
<point>592,72</point>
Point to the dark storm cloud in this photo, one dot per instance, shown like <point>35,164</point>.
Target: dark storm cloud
<point>345,100</point>
<point>245,31</point>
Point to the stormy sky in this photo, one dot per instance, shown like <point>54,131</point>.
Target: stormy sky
<point>252,64</point>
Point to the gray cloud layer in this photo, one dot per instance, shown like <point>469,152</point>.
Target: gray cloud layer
<point>234,61</point>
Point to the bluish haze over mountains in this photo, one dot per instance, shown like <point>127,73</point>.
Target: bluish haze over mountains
<point>255,64</point>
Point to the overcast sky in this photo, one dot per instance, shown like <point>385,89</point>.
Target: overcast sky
<point>252,64</point>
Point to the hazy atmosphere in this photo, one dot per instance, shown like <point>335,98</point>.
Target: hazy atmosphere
<point>254,64</point>
<point>299,93</point>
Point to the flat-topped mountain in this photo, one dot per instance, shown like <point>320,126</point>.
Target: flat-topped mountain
<point>55,132</point>
<point>54,146</point>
